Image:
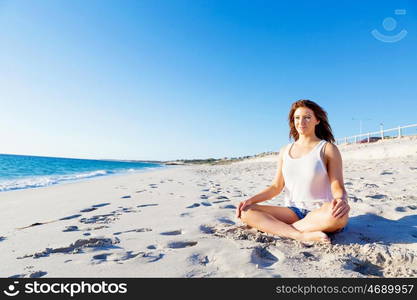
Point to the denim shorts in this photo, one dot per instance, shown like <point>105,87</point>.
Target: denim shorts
<point>300,212</point>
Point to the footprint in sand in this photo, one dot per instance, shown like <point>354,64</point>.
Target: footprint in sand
<point>204,197</point>
<point>100,219</point>
<point>153,185</point>
<point>220,201</point>
<point>194,205</point>
<point>17,276</point>
<point>125,210</point>
<point>207,229</point>
<point>148,257</point>
<point>230,206</point>
<point>198,259</point>
<point>70,217</point>
<point>129,255</point>
<point>120,257</point>
<point>146,205</point>
<point>261,257</point>
<point>101,205</point>
<point>181,244</point>
<point>36,274</point>
<point>377,196</point>
<point>371,185</point>
<point>70,228</point>
<point>406,208</point>
<point>100,258</point>
<point>174,232</point>
<point>226,221</point>
<point>206,203</point>
<point>355,199</point>
<point>126,197</point>
<point>363,267</point>
<point>88,209</point>
<point>309,256</point>
<point>2,238</point>
<point>386,173</point>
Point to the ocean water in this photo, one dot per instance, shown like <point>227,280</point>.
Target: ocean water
<point>23,172</point>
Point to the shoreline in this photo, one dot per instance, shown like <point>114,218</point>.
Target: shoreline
<point>74,178</point>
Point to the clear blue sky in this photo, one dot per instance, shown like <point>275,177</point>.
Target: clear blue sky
<point>162,80</point>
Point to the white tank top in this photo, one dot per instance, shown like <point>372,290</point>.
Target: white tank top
<point>306,180</point>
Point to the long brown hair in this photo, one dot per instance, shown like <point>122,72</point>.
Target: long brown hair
<point>323,130</point>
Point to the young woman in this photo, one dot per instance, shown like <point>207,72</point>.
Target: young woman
<point>311,173</point>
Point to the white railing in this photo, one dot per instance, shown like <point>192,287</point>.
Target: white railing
<point>372,136</point>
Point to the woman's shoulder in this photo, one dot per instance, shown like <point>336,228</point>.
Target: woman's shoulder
<point>330,149</point>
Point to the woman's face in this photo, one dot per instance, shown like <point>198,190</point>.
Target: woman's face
<point>305,121</point>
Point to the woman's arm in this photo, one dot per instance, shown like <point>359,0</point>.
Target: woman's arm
<point>335,172</point>
<point>270,192</point>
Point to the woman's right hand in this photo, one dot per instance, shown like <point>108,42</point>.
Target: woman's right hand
<point>243,205</point>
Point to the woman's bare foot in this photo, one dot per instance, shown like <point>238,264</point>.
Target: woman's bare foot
<point>315,236</point>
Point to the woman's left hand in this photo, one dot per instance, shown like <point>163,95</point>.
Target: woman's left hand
<point>340,208</point>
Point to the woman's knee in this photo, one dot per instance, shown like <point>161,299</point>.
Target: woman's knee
<point>245,215</point>
<point>332,221</point>
<point>336,223</point>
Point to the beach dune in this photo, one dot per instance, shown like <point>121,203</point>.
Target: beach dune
<point>180,222</point>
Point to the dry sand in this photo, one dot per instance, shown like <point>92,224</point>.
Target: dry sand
<point>179,222</point>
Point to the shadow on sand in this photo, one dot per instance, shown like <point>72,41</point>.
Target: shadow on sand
<point>371,228</point>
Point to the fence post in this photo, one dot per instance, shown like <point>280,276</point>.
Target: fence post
<point>369,137</point>
<point>382,131</point>
<point>399,131</point>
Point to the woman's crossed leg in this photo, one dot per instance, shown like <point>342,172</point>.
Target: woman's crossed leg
<point>283,222</point>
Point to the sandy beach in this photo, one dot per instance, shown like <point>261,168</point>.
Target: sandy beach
<point>180,222</point>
